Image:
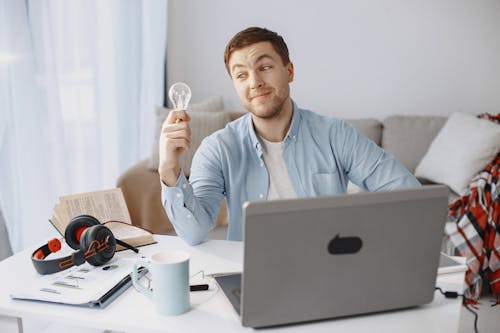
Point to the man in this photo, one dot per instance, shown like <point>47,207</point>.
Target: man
<point>278,150</point>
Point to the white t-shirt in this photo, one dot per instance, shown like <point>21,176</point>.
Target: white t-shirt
<point>280,185</point>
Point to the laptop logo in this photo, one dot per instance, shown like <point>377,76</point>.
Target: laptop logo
<point>344,245</point>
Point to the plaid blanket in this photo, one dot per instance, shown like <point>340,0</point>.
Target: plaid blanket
<point>475,227</point>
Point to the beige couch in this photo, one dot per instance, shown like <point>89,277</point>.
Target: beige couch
<point>406,137</point>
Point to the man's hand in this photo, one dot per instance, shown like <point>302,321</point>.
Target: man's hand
<point>175,138</point>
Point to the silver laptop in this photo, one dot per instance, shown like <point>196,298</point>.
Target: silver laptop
<point>324,257</point>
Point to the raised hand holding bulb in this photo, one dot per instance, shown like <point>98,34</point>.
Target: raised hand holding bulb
<point>175,136</point>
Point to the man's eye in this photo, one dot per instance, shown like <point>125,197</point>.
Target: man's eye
<point>240,76</point>
<point>265,68</point>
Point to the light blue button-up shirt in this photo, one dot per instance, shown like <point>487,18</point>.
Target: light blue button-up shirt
<point>321,153</point>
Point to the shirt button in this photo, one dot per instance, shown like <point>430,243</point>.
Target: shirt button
<point>184,185</point>
<point>188,216</point>
<point>261,164</point>
<point>261,196</point>
<point>178,195</point>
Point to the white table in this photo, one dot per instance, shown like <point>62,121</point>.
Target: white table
<point>132,312</point>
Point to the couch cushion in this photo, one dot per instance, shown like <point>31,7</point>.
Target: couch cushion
<point>409,137</point>
<point>213,104</point>
<point>202,124</point>
<point>371,128</point>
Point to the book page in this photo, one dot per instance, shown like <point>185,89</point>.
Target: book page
<point>451,264</point>
<point>130,234</point>
<point>123,231</point>
<point>59,220</point>
<point>104,205</point>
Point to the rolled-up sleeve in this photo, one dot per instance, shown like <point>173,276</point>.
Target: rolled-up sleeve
<point>192,206</point>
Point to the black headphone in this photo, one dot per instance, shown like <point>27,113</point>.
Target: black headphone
<point>95,244</point>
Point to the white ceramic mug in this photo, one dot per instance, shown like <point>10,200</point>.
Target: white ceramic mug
<point>170,276</point>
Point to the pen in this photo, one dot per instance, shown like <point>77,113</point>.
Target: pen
<point>198,287</point>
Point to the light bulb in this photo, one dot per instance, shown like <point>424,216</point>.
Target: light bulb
<point>179,94</point>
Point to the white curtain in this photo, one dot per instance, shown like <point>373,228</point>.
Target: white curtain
<point>78,85</point>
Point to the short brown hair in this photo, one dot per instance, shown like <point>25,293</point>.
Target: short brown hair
<point>254,35</point>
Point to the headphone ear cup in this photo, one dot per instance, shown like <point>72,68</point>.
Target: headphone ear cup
<point>70,233</point>
<point>98,233</point>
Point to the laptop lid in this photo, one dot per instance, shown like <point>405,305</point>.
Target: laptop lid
<point>315,258</point>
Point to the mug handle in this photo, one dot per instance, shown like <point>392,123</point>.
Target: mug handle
<point>135,279</point>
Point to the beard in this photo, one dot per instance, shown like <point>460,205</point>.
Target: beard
<point>268,110</point>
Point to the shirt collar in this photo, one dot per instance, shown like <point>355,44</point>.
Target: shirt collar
<point>292,131</point>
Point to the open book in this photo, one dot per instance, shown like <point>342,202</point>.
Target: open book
<point>106,205</point>
<point>451,264</point>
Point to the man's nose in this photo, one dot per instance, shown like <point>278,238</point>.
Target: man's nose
<point>256,81</point>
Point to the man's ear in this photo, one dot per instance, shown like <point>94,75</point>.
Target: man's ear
<point>290,70</point>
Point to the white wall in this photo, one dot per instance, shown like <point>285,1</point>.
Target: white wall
<point>353,58</point>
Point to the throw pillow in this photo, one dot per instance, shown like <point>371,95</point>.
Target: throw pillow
<point>202,125</point>
<point>211,105</point>
<point>463,147</point>
<point>206,118</point>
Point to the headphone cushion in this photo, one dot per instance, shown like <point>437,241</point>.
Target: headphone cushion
<point>76,223</point>
<point>98,233</point>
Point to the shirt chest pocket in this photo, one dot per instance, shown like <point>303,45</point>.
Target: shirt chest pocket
<point>327,184</point>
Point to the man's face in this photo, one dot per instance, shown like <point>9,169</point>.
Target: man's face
<point>260,79</point>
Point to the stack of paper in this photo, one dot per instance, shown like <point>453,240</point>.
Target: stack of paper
<point>84,285</point>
